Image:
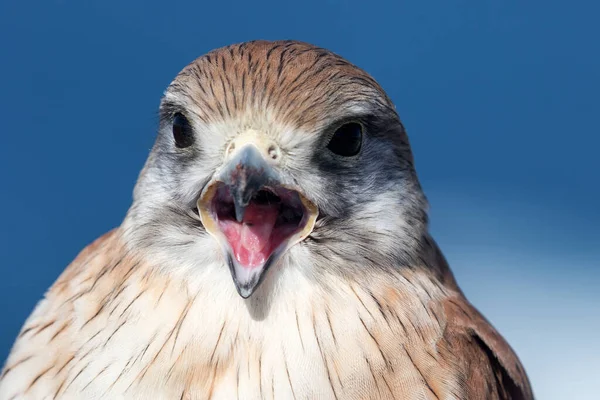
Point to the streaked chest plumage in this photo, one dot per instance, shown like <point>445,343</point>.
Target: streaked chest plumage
<point>152,336</point>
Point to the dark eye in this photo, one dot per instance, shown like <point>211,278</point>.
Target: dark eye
<point>182,131</point>
<point>347,140</point>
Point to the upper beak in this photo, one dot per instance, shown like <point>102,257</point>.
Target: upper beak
<point>245,174</point>
<point>250,170</point>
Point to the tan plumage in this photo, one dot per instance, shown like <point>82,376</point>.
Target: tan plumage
<point>149,309</point>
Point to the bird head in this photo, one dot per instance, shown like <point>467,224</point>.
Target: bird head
<point>277,156</point>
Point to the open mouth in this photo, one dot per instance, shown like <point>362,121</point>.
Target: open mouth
<point>256,231</point>
<point>253,216</point>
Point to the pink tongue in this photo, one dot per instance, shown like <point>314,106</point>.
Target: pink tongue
<point>253,245</point>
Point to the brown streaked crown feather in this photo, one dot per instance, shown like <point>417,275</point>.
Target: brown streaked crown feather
<point>296,81</point>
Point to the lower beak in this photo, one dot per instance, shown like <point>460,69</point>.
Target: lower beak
<point>254,216</point>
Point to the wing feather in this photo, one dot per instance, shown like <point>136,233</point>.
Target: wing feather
<point>488,366</point>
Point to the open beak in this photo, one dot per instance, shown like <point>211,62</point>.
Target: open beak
<point>252,214</point>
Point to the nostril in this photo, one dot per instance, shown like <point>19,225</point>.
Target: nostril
<point>273,153</point>
<point>231,148</point>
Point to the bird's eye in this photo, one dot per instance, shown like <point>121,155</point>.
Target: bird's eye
<point>347,140</point>
<point>182,131</point>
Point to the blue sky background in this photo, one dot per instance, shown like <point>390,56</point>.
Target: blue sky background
<point>500,99</point>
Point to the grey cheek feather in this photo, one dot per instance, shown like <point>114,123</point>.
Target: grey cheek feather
<point>373,212</point>
<point>162,213</point>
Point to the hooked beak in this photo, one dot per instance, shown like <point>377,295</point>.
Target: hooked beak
<point>253,215</point>
<point>245,175</point>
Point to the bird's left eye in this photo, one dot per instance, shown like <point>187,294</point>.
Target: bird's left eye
<point>347,140</point>
<point>182,131</point>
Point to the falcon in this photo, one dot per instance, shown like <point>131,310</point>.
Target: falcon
<point>276,248</point>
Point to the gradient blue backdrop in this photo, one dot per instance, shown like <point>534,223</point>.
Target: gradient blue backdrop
<point>500,99</point>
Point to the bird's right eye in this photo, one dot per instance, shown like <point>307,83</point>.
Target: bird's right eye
<point>182,131</point>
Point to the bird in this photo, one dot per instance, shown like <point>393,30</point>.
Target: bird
<point>276,247</point>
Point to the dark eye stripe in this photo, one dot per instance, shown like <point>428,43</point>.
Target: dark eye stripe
<point>347,140</point>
